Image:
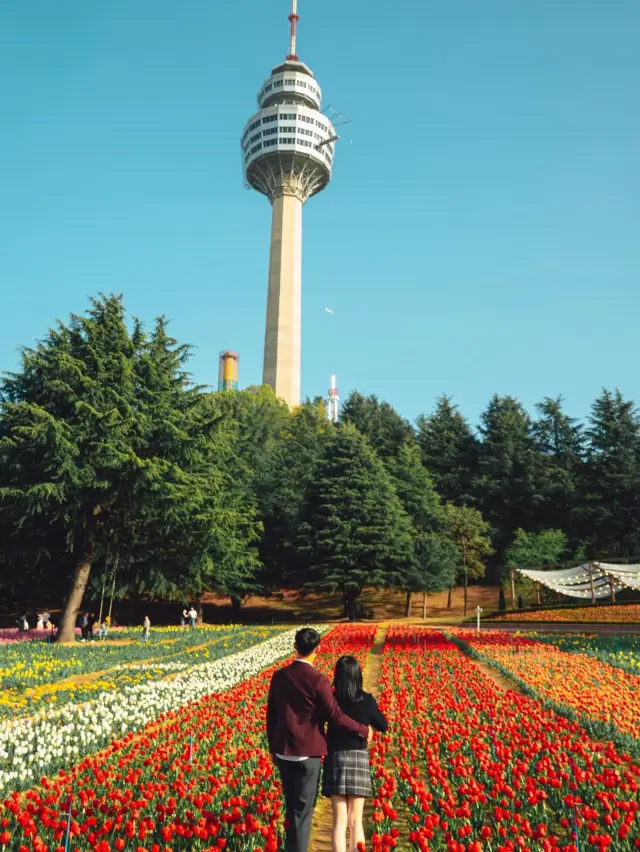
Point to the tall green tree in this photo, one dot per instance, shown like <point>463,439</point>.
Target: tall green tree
<point>533,550</point>
<point>99,437</point>
<point>560,453</point>
<point>291,468</point>
<point>394,441</point>
<point>506,484</point>
<point>383,427</point>
<point>471,534</point>
<point>449,452</point>
<point>435,560</point>
<point>354,531</point>
<point>68,421</point>
<point>611,489</point>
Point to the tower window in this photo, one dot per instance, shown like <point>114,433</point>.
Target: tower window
<point>256,147</point>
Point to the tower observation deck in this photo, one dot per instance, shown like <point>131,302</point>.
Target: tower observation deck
<point>287,153</point>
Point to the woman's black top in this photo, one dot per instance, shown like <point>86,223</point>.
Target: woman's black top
<point>365,711</point>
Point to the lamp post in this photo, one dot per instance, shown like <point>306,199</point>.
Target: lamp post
<point>478,611</point>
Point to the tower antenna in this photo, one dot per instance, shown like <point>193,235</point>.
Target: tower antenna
<point>293,19</point>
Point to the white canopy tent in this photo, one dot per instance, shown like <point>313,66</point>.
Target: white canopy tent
<point>591,580</point>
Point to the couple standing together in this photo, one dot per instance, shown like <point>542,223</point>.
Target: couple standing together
<point>306,721</point>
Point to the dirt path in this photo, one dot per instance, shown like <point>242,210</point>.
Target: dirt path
<point>322,819</point>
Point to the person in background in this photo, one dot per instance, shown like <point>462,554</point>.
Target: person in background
<point>184,617</point>
<point>146,627</point>
<point>23,624</point>
<point>346,778</point>
<point>193,617</point>
<point>102,633</point>
<point>46,618</point>
<point>84,626</point>
<point>40,623</point>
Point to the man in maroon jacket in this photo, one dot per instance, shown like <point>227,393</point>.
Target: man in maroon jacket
<point>300,703</point>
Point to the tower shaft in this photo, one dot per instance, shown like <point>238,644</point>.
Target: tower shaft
<point>282,343</point>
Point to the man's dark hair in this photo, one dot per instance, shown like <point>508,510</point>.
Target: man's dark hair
<point>306,641</point>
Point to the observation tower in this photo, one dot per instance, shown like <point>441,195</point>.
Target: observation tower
<point>287,155</point>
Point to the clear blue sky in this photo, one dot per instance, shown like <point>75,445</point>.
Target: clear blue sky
<point>481,232</point>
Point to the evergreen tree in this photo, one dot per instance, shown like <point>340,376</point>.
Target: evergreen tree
<point>471,534</point>
<point>354,531</point>
<point>559,444</point>
<point>449,452</point>
<point>101,437</point>
<point>291,468</point>
<point>506,484</point>
<point>67,429</point>
<point>610,513</point>
<point>383,427</point>
<point>256,424</point>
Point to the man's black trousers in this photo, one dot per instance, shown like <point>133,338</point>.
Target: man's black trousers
<point>300,787</point>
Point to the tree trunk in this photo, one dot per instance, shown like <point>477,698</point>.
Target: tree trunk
<point>407,606</point>
<point>67,632</point>
<point>424,606</point>
<point>466,576</point>
<point>352,604</point>
<point>538,593</point>
<point>466,589</point>
<point>200,609</point>
<point>513,589</point>
<point>449,598</point>
<point>236,604</point>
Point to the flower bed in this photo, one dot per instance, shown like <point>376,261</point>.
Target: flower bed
<point>198,778</point>
<point>620,651</point>
<point>29,665</point>
<point>57,738</point>
<point>621,614</point>
<point>602,697</point>
<point>467,767</point>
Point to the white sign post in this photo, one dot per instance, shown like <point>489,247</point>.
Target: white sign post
<point>478,611</point>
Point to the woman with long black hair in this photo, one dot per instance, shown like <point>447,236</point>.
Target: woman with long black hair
<point>346,778</point>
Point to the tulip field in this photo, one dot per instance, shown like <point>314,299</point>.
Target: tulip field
<point>604,697</point>
<point>169,765</point>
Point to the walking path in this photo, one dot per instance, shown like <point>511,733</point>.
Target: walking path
<point>322,818</point>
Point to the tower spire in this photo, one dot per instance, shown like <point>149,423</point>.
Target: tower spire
<point>293,19</point>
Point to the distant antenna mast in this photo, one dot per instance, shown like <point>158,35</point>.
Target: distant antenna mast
<point>333,402</point>
<point>293,19</point>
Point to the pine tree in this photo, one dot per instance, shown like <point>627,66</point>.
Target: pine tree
<point>506,485</point>
<point>393,439</point>
<point>449,452</point>
<point>354,531</point>
<point>610,513</point>
<point>560,452</point>
<point>68,423</point>
<point>384,428</point>
<point>291,467</point>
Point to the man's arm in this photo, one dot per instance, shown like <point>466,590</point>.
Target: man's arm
<point>333,712</point>
<point>272,714</point>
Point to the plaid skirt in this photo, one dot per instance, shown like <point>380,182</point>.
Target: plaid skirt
<point>347,773</point>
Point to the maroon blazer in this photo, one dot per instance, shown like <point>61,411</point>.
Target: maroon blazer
<point>300,703</point>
